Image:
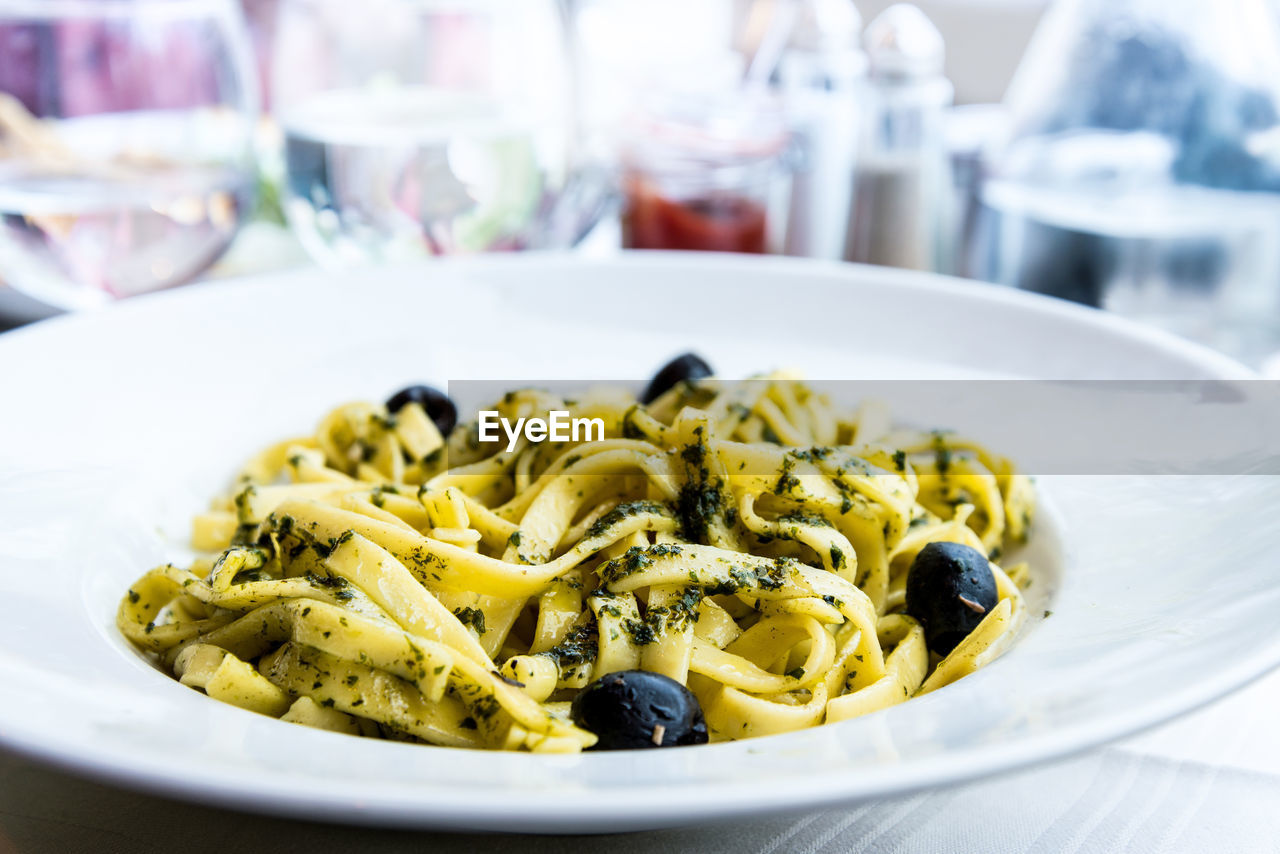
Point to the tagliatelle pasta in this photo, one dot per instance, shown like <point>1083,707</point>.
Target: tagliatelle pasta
<point>749,540</point>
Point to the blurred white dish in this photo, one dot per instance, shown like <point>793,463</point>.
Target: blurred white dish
<point>120,424</point>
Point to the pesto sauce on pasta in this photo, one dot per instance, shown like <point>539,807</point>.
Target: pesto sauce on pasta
<point>749,540</point>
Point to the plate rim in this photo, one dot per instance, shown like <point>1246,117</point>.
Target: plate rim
<point>1223,366</point>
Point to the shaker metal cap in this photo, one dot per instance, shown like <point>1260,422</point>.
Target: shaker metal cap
<point>902,42</point>
<point>826,25</point>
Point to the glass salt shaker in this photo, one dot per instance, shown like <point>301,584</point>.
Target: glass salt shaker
<point>821,77</point>
<point>901,184</point>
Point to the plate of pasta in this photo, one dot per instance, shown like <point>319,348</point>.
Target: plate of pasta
<point>547,544</point>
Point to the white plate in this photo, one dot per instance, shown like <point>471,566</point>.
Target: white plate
<point>118,426</point>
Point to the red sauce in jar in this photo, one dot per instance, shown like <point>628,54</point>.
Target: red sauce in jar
<point>715,223</point>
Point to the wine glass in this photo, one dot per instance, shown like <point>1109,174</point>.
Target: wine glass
<point>426,127</point>
<point>126,132</point>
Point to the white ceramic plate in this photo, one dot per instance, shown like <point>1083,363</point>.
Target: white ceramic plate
<point>118,426</point>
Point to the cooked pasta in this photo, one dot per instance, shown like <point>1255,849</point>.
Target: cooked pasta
<point>751,541</point>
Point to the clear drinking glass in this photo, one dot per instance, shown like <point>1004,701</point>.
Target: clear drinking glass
<point>125,143</point>
<point>427,127</point>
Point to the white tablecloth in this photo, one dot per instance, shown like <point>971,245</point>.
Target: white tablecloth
<point>1207,783</point>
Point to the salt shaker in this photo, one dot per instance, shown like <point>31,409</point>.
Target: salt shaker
<point>901,183</point>
<point>821,74</point>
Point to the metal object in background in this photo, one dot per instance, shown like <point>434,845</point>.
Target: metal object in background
<point>1142,172</point>
<point>901,192</point>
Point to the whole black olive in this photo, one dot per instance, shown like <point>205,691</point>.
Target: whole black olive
<point>436,404</point>
<point>685,367</point>
<point>634,709</point>
<point>950,588</point>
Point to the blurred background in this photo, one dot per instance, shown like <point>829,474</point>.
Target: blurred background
<point>1123,154</point>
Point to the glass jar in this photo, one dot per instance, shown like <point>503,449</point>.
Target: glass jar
<point>706,173</point>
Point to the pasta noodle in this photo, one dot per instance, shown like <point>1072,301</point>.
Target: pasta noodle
<point>751,541</point>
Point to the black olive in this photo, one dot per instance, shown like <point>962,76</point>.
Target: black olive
<point>950,588</point>
<point>436,404</point>
<point>685,367</point>
<point>634,708</point>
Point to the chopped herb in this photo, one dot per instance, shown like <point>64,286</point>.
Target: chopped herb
<point>487,706</point>
<point>247,534</point>
<point>812,519</point>
<point>629,428</point>
<point>329,582</point>
<point>694,454</point>
<point>579,647</point>
<point>242,499</point>
<point>473,617</point>
<point>941,453</point>
<point>786,482</point>
<point>641,631</point>
<point>698,505</point>
<point>625,511</point>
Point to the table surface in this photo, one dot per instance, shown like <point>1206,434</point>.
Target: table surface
<point>1207,782</point>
